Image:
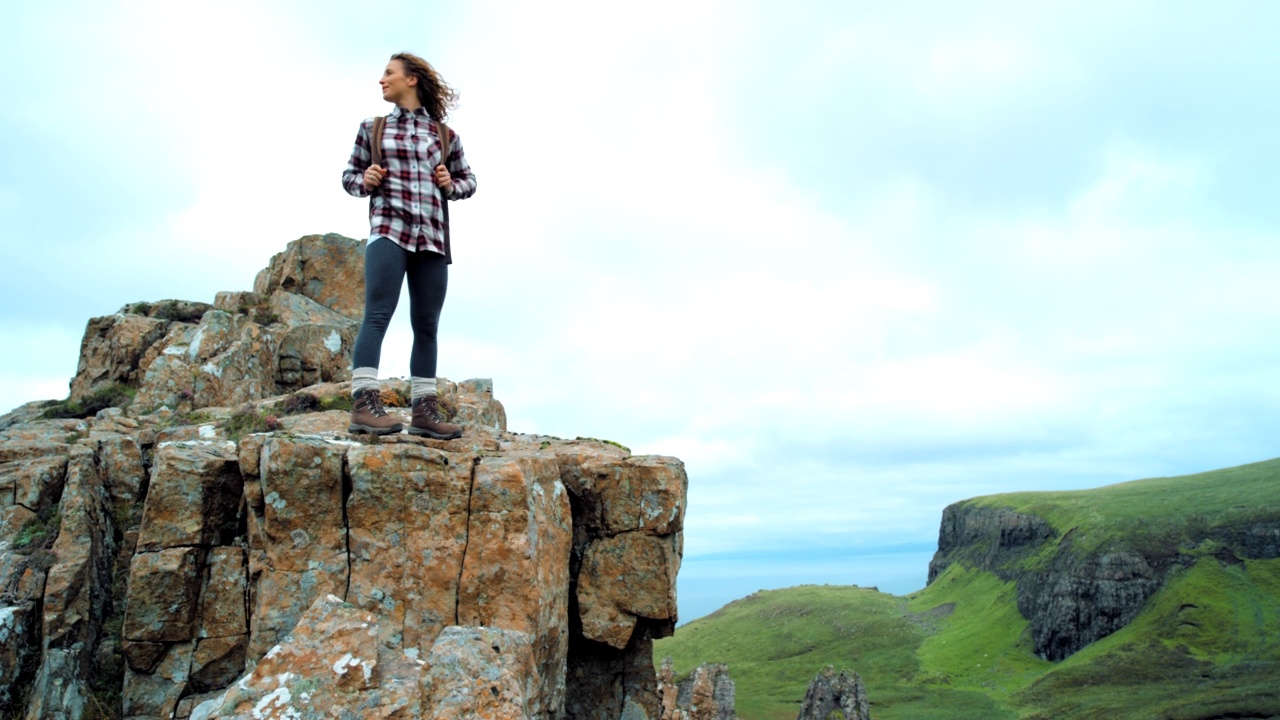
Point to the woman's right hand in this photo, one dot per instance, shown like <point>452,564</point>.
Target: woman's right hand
<point>373,177</point>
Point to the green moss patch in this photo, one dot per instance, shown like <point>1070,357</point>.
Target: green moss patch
<point>108,396</point>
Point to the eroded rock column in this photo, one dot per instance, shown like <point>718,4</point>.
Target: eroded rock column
<point>516,570</point>
<point>190,522</point>
<point>297,534</point>
<point>407,516</point>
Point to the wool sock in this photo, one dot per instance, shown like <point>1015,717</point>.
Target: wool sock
<point>364,378</point>
<point>423,387</point>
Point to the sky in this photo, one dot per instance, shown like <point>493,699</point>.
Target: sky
<point>851,262</point>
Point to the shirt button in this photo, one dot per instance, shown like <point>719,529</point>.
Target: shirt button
<point>413,186</point>
<point>414,166</point>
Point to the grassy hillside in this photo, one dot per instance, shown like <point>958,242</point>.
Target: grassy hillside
<point>1206,645</point>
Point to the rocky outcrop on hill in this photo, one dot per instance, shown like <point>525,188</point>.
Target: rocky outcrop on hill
<point>707,694</point>
<point>163,561</point>
<point>1072,598</point>
<point>834,694</point>
<point>295,329</point>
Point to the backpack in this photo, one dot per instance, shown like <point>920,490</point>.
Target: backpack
<point>375,151</point>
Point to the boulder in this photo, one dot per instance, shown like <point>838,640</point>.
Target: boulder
<point>112,350</point>
<point>834,694</point>
<point>329,269</point>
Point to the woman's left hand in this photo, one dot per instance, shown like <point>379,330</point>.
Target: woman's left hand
<point>443,179</point>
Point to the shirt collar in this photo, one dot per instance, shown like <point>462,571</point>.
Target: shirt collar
<point>399,112</point>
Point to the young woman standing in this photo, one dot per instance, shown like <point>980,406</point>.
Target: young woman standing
<point>407,238</point>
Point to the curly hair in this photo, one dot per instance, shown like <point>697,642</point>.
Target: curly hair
<point>433,92</point>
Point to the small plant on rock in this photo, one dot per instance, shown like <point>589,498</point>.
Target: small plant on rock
<point>298,403</point>
<point>265,316</point>
<point>394,397</point>
<point>248,420</point>
<point>38,532</point>
<point>175,311</point>
<point>110,395</point>
<point>606,442</point>
<point>337,402</point>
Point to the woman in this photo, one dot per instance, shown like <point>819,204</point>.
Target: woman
<point>407,238</point>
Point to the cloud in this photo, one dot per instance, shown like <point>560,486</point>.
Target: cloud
<point>850,263</point>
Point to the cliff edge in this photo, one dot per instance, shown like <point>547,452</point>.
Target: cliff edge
<point>217,546</point>
<point>1086,562</point>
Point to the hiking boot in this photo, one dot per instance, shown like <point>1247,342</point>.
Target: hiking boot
<point>426,420</point>
<point>368,415</point>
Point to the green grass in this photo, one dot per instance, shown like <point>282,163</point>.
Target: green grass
<point>775,641</point>
<point>1206,645</point>
<point>983,643</point>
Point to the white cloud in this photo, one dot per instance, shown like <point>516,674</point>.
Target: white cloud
<point>849,263</point>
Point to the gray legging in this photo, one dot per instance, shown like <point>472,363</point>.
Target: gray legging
<point>385,266</point>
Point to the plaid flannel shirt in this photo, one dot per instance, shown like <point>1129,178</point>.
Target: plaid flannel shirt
<point>407,206</point>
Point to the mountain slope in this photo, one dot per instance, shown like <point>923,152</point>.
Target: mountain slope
<point>1155,598</point>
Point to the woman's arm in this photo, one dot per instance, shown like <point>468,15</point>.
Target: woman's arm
<point>464,181</point>
<point>353,176</point>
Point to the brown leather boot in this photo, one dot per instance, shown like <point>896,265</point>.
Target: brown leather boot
<point>369,416</point>
<point>426,420</point>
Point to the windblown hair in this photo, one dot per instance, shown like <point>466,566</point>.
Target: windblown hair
<point>433,92</point>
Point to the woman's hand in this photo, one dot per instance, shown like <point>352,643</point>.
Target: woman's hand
<point>373,177</point>
<point>444,180</point>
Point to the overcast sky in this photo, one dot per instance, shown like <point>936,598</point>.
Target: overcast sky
<point>850,261</point>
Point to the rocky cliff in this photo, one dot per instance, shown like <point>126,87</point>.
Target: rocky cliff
<point>220,548</point>
<point>1074,589</point>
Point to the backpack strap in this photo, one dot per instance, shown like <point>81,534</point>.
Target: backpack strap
<point>446,139</point>
<point>375,151</point>
<point>375,140</point>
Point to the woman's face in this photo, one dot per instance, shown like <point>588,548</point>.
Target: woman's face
<point>397,87</point>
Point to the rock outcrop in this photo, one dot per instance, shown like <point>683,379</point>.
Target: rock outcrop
<point>835,695</point>
<point>1071,597</point>
<point>295,329</point>
<point>707,694</point>
<point>160,561</point>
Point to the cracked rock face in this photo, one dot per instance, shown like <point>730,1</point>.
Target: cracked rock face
<point>150,559</point>
<point>229,552</point>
